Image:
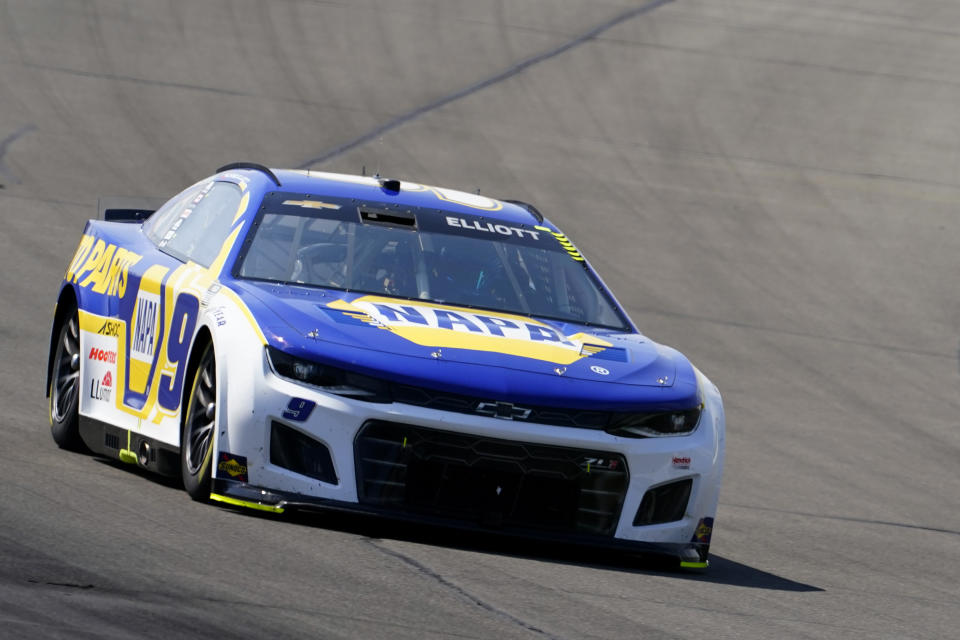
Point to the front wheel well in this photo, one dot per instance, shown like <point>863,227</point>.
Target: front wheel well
<point>200,343</point>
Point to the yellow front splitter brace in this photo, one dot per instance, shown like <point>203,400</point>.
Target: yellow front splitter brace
<point>127,455</point>
<point>259,506</point>
<point>694,565</point>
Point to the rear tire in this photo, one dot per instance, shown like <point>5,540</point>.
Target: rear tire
<point>199,421</point>
<point>64,390</point>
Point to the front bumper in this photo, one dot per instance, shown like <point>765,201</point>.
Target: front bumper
<point>248,475</point>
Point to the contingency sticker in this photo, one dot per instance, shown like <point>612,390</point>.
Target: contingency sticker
<point>99,372</point>
<point>703,531</point>
<point>232,466</point>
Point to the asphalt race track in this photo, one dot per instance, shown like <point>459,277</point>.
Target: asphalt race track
<point>771,186</point>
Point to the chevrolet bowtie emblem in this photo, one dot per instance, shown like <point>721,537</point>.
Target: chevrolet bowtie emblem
<point>503,410</point>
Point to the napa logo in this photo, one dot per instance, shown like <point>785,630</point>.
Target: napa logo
<point>433,325</point>
<point>146,314</point>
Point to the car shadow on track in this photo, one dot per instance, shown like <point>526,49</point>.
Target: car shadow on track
<point>721,571</point>
<point>725,571</point>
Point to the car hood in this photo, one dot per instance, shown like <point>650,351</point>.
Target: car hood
<point>496,355</point>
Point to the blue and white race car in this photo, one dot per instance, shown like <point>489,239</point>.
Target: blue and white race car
<point>298,339</point>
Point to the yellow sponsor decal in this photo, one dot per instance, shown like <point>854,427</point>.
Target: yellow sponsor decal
<point>208,276</point>
<point>435,325</point>
<point>101,266</point>
<point>83,250</point>
<point>232,467</point>
<point>145,328</point>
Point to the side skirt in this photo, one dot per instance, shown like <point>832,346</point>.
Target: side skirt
<point>130,447</point>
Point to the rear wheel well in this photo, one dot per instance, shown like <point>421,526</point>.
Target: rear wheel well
<point>66,304</point>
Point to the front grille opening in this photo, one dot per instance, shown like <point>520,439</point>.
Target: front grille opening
<point>666,503</point>
<point>496,483</point>
<point>300,453</point>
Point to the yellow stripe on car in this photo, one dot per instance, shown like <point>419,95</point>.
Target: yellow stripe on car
<point>246,312</point>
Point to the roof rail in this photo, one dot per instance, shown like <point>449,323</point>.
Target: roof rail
<point>251,165</point>
<point>529,207</point>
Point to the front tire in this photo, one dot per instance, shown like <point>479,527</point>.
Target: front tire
<point>199,421</point>
<point>64,388</point>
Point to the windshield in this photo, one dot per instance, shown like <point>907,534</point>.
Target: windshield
<point>426,255</point>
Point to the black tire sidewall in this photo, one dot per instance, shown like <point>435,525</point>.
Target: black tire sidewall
<point>65,432</point>
<point>198,484</point>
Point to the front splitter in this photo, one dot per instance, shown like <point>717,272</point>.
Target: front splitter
<point>690,555</point>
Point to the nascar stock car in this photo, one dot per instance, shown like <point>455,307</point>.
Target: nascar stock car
<point>299,339</point>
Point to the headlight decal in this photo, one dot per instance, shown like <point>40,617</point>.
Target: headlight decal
<point>329,379</point>
<point>656,425</point>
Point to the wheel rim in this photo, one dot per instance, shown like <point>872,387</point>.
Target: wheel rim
<point>66,378</point>
<point>202,415</point>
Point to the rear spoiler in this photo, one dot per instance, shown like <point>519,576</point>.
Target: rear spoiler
<point>127,209</point>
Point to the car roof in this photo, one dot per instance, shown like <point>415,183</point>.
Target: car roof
<point>377,189</point>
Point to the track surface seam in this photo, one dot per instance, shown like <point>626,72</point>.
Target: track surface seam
<point>507,73</point>
<point>886,523</point>
<point>458,590</point>
<point>5,146</point>
<point>798,334</point>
